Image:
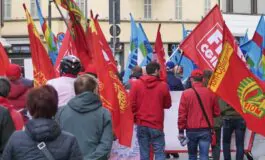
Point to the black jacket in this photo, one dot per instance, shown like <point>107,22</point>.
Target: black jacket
<point>6,128</point>
<point>22,145</point>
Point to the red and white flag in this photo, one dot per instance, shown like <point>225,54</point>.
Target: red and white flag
<point>204,44</point>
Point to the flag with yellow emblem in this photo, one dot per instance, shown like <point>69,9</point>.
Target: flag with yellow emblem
<point>236,85</point>
<point>112,93</point>
<point>42,65</point>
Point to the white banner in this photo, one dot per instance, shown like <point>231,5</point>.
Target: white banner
<point>171,133</point>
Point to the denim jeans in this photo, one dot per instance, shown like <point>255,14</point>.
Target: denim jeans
<point>147,137</point>
<point>239,126</point>
<point>201,139</point>
<point>217,148</point>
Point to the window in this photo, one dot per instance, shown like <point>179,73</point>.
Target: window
<point>207,6</point>
<point>242,6</point>
<point>81,5</point>
<point>224,5</point>
<point>261,6</point>
<point>33,8</point>
<point>179,9</point>
<point>147,9</point>
<point>7,9</point>
<point>229,6</point>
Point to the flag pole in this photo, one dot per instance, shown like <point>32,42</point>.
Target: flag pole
<point>63,18</point>
<point>172,54</point>
<point>180,59</point>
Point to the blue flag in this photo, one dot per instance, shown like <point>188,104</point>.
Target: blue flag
<point>187,64</point>
<point>182,60</point>
<point>132,57</point>
<point>145,49</point>
<point>255,50</point>
<point>244,39</point>
<point>184,32</point>
<point>48,35</point>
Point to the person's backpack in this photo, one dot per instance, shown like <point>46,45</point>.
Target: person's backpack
<point>17,118</point>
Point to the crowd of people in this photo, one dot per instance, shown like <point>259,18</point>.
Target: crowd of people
<point>65,119</point>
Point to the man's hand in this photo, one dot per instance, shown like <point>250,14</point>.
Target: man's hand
<point>181,136</point>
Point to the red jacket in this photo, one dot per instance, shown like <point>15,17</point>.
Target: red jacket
<point>16,116</point>
<point>190,115</point>
<point>149,97</point>
<point>18,93</point>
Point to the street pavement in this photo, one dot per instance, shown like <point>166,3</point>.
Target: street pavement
<point>184,156</point>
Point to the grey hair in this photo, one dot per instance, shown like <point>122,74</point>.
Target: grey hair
<point>4,87</point>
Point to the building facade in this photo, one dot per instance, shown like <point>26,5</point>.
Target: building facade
<point>170,13</point>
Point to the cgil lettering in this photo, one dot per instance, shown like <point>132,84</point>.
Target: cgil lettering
<point>212,47</point>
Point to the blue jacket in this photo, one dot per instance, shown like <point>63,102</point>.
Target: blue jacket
<point>22,145</point>
<point>173,82</point>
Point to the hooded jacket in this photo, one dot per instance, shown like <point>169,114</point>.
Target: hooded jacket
<point>18,93</point>
<point>85,118</point>
<point>22,145</point>
<point>149,97</point>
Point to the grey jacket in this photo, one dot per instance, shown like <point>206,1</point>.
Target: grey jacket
<point>22,145</point>
<point>85,118</point>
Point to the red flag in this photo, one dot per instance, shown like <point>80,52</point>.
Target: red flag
<point>81,45</point>
<point>72,7</point>
<point>112,93</point>
<point>159,50</point>
<point>106,47</point>
<point>78,35</point>
<point>42,65</point>
<point>204,45</point>
<point>4,61</point>
<point>67,48</point>
<point>236,85</point>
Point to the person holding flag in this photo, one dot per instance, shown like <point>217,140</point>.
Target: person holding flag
<point>173,82</point>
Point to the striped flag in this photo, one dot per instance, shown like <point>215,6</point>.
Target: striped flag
<point>48,35</point>
<point>255,50</point>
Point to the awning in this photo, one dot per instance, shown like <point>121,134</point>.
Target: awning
<point>5,43</point>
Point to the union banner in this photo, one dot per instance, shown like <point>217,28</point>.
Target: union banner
<point>236,85</point>
<point>204,44</point>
